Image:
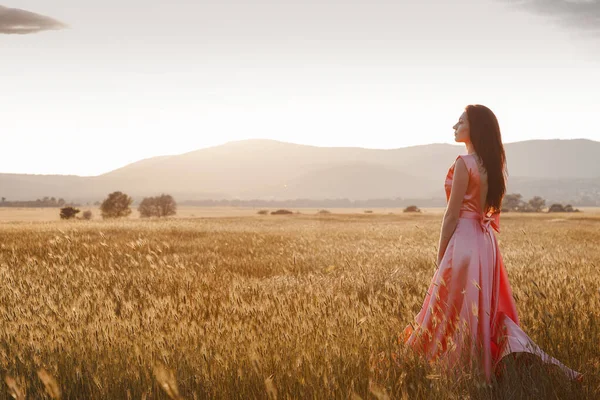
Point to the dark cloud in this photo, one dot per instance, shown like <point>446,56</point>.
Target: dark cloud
<point>583,15</point>
<point>16,21</point>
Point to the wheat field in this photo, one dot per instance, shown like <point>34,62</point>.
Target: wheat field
<point>299,306</point>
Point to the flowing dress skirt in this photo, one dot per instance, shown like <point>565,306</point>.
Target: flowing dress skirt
<point>469,314</point>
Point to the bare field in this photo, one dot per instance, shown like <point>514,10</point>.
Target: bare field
<point>9,214</point>
<point>299,306</point>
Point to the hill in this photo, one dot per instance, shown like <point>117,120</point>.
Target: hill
<point>560,170</point>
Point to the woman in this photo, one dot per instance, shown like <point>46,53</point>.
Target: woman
<point>469,315</point>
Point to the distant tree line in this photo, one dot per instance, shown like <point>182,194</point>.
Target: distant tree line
<point>45,202</point>
<point>118,205</point>
<point>514,202</point>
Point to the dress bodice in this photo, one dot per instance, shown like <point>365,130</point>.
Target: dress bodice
<point>471,201</point>
<point>471,204</point>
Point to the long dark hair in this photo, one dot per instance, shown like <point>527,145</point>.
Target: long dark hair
<point>487,142</point>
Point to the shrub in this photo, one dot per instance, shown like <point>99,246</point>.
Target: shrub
<point>412,209</point>
<point>87,215</point>
<point>68,212</point>
<point>368,212</point>
<point>560,208</point>
<point>281,212</point>
<point>323,212</point>
<point>556,208</point>
<point>263,212</point>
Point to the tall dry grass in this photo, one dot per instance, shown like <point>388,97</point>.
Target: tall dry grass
<point>279,307</point>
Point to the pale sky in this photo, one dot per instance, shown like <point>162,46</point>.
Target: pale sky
<point>132,79</point>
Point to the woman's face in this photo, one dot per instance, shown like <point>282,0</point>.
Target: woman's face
<point>462,133</point>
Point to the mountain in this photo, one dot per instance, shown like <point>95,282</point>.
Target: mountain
<point>31,187</point>
<point>554,159</point>
<point>559,170</point>
<point>357,181</point>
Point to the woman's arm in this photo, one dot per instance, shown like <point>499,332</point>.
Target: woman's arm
<point>460,183</point>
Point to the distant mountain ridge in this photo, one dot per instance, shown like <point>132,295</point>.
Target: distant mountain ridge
<point>559,170</point>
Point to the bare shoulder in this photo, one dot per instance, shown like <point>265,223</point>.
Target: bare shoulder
<point>460,164</point>
<point>461,172</point>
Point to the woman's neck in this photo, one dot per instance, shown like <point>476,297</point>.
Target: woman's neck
<point>470,148</point>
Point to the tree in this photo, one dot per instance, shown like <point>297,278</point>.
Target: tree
<point>161,206</point>
<point>68,212</point>
<point>166,205</point>
<point>512,202</point>
<point>537,204</point>
<point>116,205</point>
<point>147,208</point>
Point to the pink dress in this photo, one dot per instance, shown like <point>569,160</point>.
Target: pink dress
<point>469,312</point>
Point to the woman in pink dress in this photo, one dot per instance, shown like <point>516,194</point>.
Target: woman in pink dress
<point>469,315</point>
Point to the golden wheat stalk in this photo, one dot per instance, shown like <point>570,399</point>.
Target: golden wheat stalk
<point>166,379</point>
<point>15,391</point>
<point>270,387</point>
<point>50,384</point>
